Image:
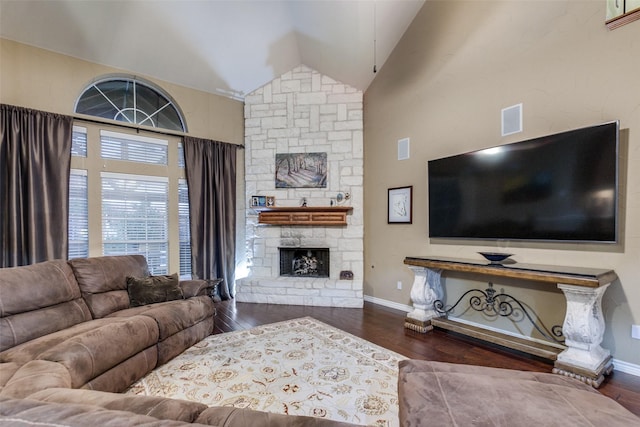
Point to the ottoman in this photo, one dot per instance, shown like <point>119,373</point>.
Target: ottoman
<point>446,394</point>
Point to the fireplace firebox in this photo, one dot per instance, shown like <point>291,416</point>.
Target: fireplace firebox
<point>304,262</point>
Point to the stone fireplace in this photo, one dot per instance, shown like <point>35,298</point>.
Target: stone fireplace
<point>303,111</point>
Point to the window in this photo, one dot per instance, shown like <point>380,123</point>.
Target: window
<point>185,232</point>
<point>180,155</point>
<point>133,149</point>
<point>135,218</point>
<point>78,209</point>
<point>128,195</point>
<point>131,100</point>
<point>79,142</point>
<point>78,215</point>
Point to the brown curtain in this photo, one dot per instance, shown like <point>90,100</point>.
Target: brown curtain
<point>210,167</point>
<point>35,157</point>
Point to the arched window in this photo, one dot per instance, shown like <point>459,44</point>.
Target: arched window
<point>131,100</point>
<point>139,196</point>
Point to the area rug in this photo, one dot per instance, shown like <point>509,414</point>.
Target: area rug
<point>296,367</point>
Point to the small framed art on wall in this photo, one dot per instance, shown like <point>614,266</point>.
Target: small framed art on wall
<point>400,205</point>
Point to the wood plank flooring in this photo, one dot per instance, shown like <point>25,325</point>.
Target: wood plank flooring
<point>385,327</point>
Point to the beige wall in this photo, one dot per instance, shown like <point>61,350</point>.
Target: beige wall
<point>48,81</point>
<point>444,86</point>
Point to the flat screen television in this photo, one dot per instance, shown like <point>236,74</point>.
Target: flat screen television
<point>560,188</point>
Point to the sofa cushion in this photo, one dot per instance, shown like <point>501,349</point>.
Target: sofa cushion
<point>173,316</point>
<point>34,376</point>
<point>37,300</point>
<point>7,370</point>
<point>121,376</point>
<point>459,395</point>
<point>31,350</point>
<point>153,289</point>
<point>91,348</point>
<point>179,342</point>
<point>94,352</point>
<point>103,281</point>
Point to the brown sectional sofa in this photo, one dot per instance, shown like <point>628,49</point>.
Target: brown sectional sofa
<point>70,342</point>
<point>72,319</point>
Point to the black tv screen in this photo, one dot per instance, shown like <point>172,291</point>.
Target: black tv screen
<point>561,187</point>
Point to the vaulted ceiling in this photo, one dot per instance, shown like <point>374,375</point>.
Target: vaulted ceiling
<point>226,47</point>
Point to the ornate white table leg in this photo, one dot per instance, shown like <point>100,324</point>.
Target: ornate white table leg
<point>425,291</point>
<point>583,329</point>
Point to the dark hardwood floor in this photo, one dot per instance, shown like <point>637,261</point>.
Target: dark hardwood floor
<point>385,327</point>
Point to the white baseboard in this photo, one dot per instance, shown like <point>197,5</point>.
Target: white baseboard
<point>618,365</point>
<point>387,303</point>
<point>626,367</point>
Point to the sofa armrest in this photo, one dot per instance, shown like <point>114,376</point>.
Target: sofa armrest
<point>30,412</point>
<point>197,287</point>
<point>225,416</point>
<point>159,407</point>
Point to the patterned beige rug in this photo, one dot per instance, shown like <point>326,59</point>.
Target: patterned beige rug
<point>298,367</point>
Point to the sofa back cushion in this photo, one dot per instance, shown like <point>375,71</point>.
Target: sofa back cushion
<point>38,299</point>
<point>103,281</point>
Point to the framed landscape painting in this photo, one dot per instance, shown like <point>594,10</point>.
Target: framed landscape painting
<point>301,170</point>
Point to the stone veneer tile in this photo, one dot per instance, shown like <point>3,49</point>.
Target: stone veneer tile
<point>304,111</point>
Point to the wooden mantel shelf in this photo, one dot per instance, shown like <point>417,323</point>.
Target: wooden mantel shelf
<point>299,215</point>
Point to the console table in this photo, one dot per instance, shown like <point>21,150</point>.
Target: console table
<point>582,356</point>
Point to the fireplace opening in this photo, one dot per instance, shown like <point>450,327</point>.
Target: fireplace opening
<point>304,262</point>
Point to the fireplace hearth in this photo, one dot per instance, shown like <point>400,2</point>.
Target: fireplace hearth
<point>304,262</point>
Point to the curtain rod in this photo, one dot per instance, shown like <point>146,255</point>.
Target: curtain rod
<point>138,129</point>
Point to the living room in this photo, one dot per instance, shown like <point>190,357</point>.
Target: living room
<point>443,87</point>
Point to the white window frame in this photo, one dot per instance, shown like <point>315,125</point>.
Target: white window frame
<point>140,116</point>
<point>96,167</point>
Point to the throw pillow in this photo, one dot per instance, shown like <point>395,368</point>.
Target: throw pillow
<point>152,289</point>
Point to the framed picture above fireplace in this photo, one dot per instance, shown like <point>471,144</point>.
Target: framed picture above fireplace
<point>301,170</point>
<point>400,201</point>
